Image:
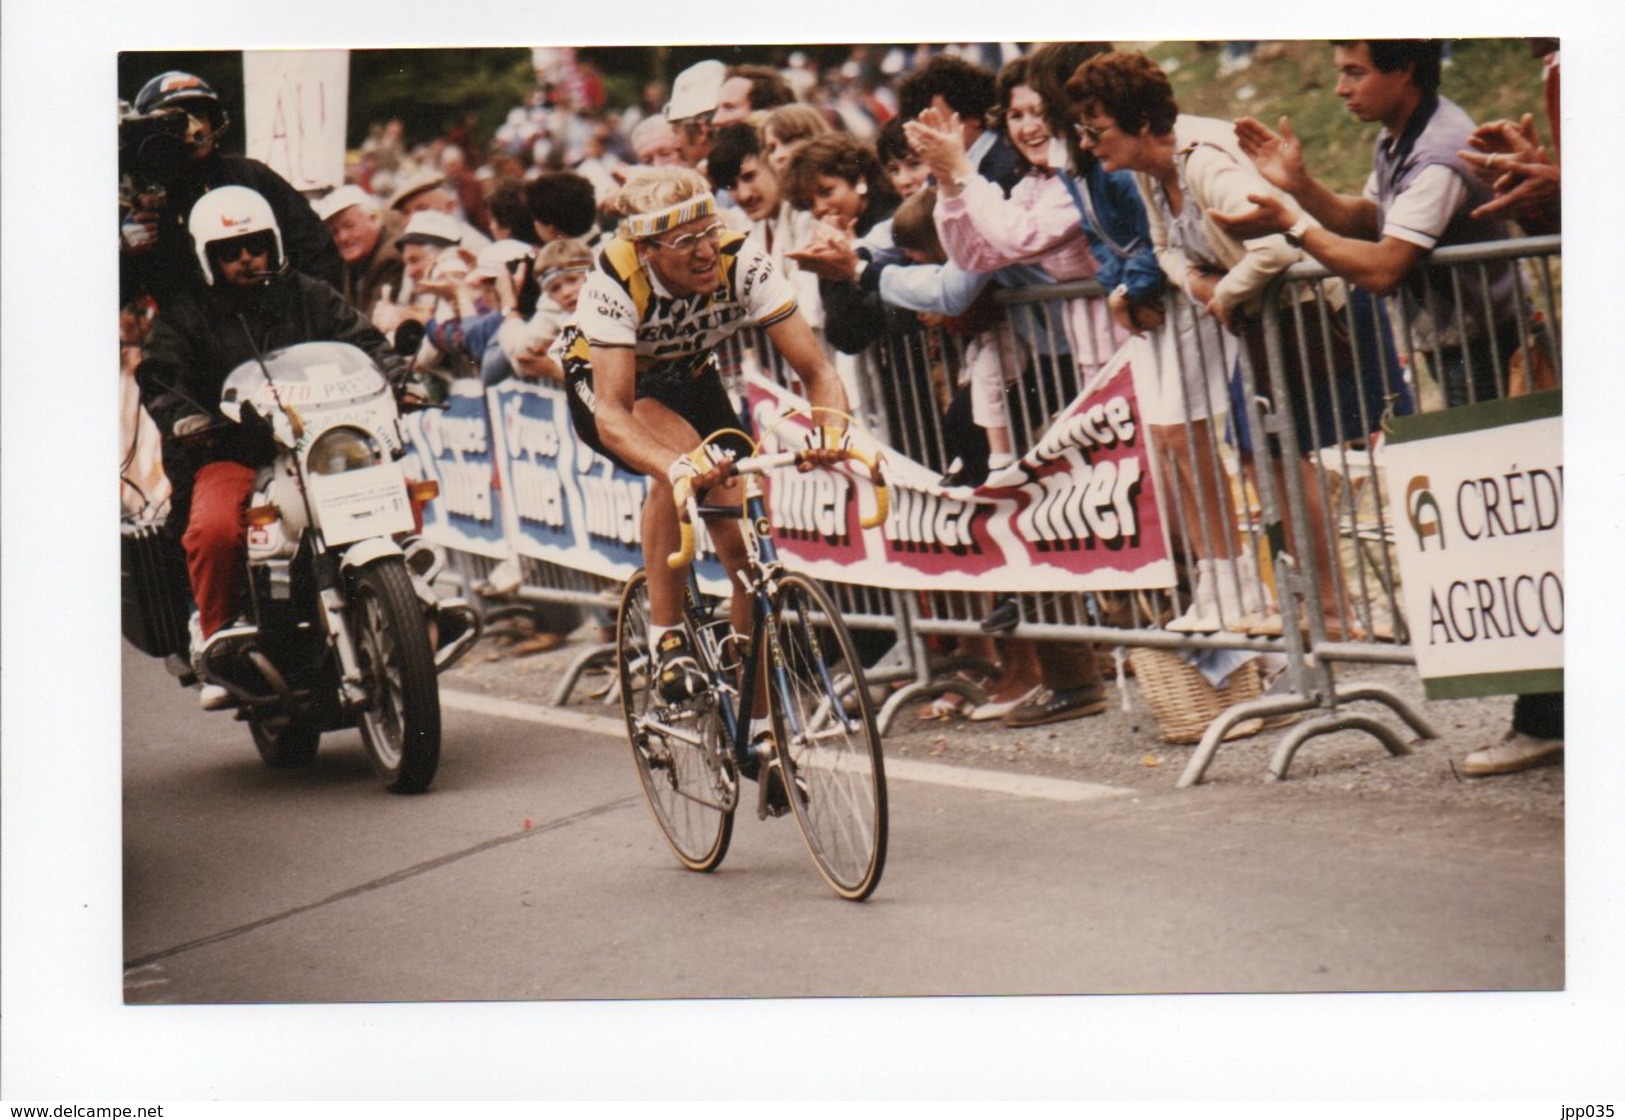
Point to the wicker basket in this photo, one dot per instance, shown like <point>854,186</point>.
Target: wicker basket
<point>1182,700</point>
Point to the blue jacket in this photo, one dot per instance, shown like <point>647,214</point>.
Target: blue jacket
<point>1113,214</point>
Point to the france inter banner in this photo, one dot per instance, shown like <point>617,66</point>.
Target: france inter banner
<point>452,446</point>
<point>1087,516</point>
<point>563,502</point>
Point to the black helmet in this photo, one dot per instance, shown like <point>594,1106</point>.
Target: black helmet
<point>174,89</point>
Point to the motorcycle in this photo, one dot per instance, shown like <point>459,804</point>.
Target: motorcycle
<point>346,627</point>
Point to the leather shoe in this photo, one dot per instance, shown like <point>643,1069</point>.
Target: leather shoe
<point>1514,753</point>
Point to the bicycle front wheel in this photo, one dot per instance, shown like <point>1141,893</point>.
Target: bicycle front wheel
<point>680,751</point>
<point>829,746</point>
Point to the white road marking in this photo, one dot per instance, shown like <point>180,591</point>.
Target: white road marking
<point>993,781</point>
<point>902,769</point>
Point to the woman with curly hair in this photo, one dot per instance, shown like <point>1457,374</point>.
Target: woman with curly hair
<point>1187,168</point>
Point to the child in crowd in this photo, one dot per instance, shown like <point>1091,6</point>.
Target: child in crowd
<point>993,354</point>
<point>520,347</point>
<point>992,358</point>
<point>904,167</point>
<point>470,312</point>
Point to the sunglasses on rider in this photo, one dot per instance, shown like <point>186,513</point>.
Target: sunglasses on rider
<point>260,244</point>
<point>688,242</point>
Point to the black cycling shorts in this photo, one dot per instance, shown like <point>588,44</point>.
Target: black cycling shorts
<point>692,389</point>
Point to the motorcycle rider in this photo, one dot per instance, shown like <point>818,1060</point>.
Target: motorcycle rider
<point>166,173</point>
<point>249,301</point>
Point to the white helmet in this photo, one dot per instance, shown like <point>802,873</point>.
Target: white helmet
<point>229,213</point>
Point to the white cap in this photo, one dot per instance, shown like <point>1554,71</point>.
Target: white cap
<point>696,90</point>
<point>431,227</point>
<point>342,199</point>
<point>497,256</point>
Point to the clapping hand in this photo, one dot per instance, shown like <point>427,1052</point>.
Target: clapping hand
<point>1526,180</point>
<point>830,253</point>
<point>1277,155</point>
<point>937,137</point>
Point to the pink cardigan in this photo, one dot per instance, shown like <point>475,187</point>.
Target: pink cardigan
<point>1038,224</point>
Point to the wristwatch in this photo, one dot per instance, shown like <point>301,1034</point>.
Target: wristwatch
<point>1294,234</point>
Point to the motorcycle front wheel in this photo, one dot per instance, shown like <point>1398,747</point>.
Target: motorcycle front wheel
<point>401,724</point>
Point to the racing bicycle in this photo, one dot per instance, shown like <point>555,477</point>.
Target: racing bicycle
<point>690,754</point>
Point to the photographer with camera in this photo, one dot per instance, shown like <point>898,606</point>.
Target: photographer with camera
<point>169,157</point>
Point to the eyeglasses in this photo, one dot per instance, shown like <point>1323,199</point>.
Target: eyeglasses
<point>688,242</point>
<point>1091,132</point>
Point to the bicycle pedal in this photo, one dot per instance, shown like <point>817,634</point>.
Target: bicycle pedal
<point>773,801</point>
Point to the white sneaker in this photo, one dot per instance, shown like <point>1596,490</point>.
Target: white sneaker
<point>1256,601</point>
<point>213,698</point>
<point>1006,477</point>
<point>1516,752</point>
<point>1232,605</point>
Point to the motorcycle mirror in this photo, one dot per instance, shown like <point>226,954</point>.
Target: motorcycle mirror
<point>408,338</point>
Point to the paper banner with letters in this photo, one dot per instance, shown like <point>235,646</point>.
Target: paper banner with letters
<point>1087,519</point>
<point>297,104</point>
<point>1475,496</point>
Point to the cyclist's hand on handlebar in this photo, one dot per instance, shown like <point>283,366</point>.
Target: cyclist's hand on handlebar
<point>824,446</point>
<point>814,457</point>
<point>698,478</point>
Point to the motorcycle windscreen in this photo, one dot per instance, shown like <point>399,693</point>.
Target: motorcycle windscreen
<point>306,376</point>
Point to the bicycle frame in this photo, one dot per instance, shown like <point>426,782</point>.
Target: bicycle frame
<point>762,568</point>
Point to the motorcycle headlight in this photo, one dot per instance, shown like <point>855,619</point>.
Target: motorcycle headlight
<point>340,450</point>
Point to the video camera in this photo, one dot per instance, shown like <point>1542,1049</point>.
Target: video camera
<point>152,147</point>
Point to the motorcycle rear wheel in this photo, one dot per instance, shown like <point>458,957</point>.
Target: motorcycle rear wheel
<point>285,742</point>
<point>401,726</point>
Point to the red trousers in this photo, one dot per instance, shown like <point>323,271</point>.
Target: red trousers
<point>216,542</point>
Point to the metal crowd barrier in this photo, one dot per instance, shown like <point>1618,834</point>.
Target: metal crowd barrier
<point>1322,580</point>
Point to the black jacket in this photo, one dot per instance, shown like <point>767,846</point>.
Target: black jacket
<point>854,316</point>
<point>170,266</point>
<point>205,333</point>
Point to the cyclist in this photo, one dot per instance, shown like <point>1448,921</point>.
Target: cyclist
<point>644,386</point>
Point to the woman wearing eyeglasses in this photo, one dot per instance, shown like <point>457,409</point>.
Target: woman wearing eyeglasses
<point>1186,168</point>
<point>643,384</point>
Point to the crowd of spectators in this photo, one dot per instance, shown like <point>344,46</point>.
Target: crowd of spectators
<point>902,187</point>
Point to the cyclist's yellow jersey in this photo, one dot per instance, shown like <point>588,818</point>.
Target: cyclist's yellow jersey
<point>623,304</point>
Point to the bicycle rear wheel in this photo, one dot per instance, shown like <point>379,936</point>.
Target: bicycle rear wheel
<point>680,750</point>
<point>829,745</point>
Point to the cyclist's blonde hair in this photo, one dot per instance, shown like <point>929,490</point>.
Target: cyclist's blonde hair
<point>648,189</point>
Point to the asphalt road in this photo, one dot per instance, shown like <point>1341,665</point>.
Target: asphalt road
<point>532,871</point>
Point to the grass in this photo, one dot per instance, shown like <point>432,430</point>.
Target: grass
<point>1490,78</point>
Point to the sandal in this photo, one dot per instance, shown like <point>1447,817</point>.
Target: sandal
<point>945,707</point>
<point>998,709</point>
<point>1054,705</point>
